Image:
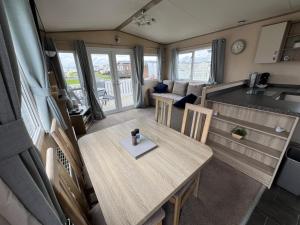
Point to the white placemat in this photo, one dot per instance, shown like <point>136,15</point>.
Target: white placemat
<point>145,145</point>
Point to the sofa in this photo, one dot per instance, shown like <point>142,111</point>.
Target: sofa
<point>176,91</point>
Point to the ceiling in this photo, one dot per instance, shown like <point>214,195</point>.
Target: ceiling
<point>175,19</point>
<point>74,15</point>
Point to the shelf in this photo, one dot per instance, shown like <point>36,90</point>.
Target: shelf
<point>248,144</point>
<point>250,108</point>
<point>249,166</point>
<point>260,128</point>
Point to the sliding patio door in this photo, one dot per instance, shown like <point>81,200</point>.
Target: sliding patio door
<point>113,71</point>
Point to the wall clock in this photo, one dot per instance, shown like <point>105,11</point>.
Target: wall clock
<point>238,46</point>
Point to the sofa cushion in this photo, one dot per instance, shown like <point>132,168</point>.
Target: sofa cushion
<point>170,84</point>
<point>195,89</point>
<point>161,88</point>
<point>179,88</point>
<point>168,95</point>
<point>191,98</point>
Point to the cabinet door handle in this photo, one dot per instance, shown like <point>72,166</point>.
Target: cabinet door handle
<point>274,55</point>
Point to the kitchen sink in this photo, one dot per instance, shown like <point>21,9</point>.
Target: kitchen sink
<point>289,96</point>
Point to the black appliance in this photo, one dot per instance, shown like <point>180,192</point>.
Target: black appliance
<point>259,80</point>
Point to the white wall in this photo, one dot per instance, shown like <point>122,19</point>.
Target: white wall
<point>238,67</point>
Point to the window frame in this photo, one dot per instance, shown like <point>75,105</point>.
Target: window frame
<point>192,64</point>
<point>151,54</point>
<point>29,101</point>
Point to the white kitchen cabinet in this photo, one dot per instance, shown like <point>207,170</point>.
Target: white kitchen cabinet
<point>270,43</point>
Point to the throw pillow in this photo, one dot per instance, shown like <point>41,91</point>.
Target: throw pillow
<point>160,88</point>
<point>170,84</point>
<point>191,98</point>
<point>180,88</point>
<point>195,89</point>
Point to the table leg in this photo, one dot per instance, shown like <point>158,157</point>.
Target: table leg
<point>197,184</point>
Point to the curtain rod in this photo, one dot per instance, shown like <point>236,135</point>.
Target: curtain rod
<point>111,45</point>
<point>194,46</point>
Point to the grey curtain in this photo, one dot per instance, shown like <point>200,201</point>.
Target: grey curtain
<point>138,54</point>
<point>55,66</point>
<point>173,64</point>
<point>88,80</point>
<point>217,61</point>
<point>31,59</point>
<point>160,54</point>
<point>21,167</point>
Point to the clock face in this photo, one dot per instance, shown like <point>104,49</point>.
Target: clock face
<point>238,46</point>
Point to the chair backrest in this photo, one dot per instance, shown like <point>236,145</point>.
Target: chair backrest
<point>196,125</point>
<point>66,146</point>
<point>163,110</point>
<point>70,197</point>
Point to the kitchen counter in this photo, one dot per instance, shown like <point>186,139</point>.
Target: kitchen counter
<point>264,99</point>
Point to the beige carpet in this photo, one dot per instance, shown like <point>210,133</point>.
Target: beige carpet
<point>225,194</point>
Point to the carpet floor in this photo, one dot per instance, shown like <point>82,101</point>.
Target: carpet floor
<point>225,194</point>
<point>224,197</point>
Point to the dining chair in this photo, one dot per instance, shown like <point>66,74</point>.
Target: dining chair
<point>65,145</point>
<point>72,199</point>
<point>69,195</point>
<point>197,131</point>
<point>163,110</point>
<point>199,114</point>
<point>78,171</point>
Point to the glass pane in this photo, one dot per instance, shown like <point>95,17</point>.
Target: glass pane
<point>104,81</point>
<point>202,61</point>
<point>150,67</point>
<point>124,72</point>
<point>184,66</point>
<point>76,92</point>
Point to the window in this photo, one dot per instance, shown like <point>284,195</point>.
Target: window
<point>150,67</point>
<point>75,89</point>
<point>194,65</point>
<point>29,112</point>
<point>185,66</point>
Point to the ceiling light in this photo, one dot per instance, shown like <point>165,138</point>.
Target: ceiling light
<point>50,54</point>
<point>143,19</point>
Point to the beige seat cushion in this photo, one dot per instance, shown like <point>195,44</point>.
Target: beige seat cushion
<point>195,89</point>
<point>170,84</point>
<point>180,88</point>
<point>168,95</point>
<point>97,218</point>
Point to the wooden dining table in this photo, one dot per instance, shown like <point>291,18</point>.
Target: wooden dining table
<point>130,190</point>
